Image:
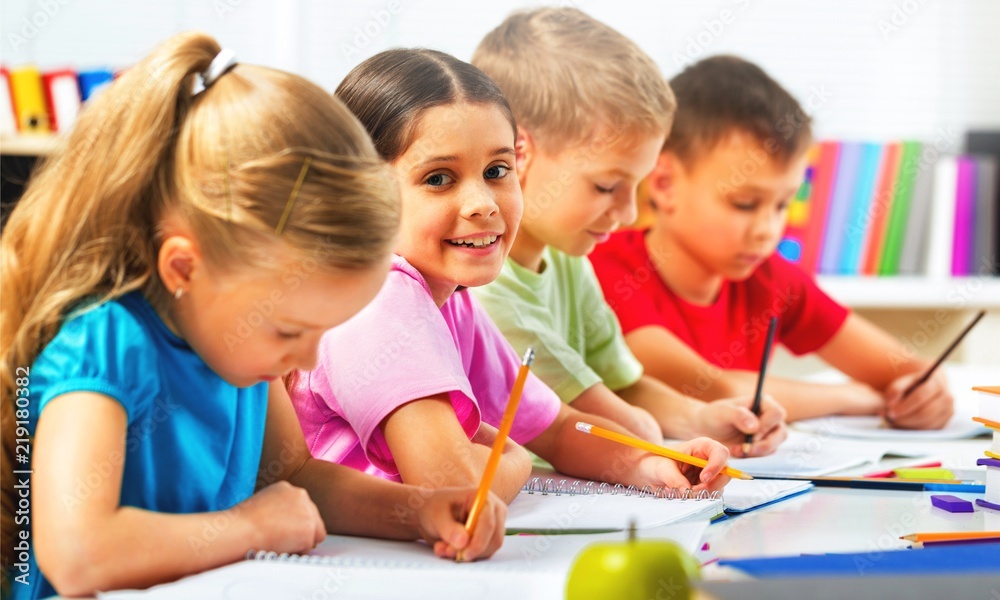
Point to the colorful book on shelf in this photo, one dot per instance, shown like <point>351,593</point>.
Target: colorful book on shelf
<point>881,205</point>
<point>963,237</point>
<point>62,98</point>
<point>8,121</point>
<point>987,143</point>
<point>986,248</point>
<point>29,101</point>
<point>94,81</point>
<point>793,241</point>
<point>939,244</point>
<point>860,209</point>
<point>841,196</point>
<point>913,258</point>
<point>818,205</point>
<point>895,232</point>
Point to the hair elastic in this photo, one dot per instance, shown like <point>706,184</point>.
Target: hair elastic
<point>223,61</point>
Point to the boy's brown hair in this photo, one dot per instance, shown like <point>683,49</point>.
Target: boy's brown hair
<point>722,94</point>
<point>566,73</point>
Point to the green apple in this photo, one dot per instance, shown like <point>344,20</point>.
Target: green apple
<point>633,570</point>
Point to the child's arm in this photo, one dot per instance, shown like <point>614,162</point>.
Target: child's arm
<point>866,353</point>
<point>431,450</point>
<point>580,455</point>
<point>354,503</point>
<point>86,541</point>
<point>670,360</point>
<point>599,400</point>
<point>727,421</point>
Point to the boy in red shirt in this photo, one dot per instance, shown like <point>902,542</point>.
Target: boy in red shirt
<point>694,293</point>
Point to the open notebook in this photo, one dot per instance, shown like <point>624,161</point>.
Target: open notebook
<point>808,455</point>
<point>961,380</point>
<point>526,567</point>
<point>547,504</point>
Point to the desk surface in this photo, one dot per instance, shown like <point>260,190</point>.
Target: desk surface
<point>820,521</point>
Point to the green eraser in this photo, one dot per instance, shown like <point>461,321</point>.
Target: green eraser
<point>924,473</point>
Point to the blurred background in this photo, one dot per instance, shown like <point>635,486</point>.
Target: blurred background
<point>868,72</point>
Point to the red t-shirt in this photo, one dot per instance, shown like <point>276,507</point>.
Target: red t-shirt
<point>730,332</point>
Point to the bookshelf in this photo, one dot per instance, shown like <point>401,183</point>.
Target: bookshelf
<point>28,145</point>
<point>914,292</point>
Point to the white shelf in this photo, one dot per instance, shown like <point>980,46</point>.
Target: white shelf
<point>958,293</point>
<point>28,145</point>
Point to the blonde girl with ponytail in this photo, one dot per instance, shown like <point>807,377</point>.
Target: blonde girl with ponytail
<point>204,224</point>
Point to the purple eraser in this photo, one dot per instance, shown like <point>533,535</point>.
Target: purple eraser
<point>987,504</point>
<point>952,504</point>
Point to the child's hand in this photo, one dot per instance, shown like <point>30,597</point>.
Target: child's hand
<point>930,406</point>
<point>729,421</point>
<point>285,519</point>
<point>441,519</point>
<point>665,471</point>
<point>643,425</point>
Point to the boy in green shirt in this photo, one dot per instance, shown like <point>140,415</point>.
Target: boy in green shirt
<point>593,111</point>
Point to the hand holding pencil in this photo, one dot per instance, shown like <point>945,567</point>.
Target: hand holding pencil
<point>701,460</point>
<point>483,492</point>
<point>922,400</point>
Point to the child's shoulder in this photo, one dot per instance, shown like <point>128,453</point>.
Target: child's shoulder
<point>131,315</point>
<point>402,273</point>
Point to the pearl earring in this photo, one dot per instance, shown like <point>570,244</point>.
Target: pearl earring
<point>178,293</point>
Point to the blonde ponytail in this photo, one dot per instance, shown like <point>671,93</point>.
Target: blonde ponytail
<point>225,160</point>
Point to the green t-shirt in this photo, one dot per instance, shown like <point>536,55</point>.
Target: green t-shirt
<point>561,312</point>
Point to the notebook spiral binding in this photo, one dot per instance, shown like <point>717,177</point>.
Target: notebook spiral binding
<point>338,561</point>
<point>537,485</point>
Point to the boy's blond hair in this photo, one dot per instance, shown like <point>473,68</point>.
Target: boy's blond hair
<point>565,74</point>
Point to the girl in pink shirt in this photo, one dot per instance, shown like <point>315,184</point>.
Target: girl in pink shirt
<point>414,385</point>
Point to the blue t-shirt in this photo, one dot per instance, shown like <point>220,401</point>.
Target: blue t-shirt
<point>194,441</point>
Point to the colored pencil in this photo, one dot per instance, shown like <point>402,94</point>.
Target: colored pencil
<point>949,536</point>
<point>649,447</point>
<point>498,445</point>
<point>892,472</point>
<point>771,326</point>
<point>911,485</point>
<point>927,375</point>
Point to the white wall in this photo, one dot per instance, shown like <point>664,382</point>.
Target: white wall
<point>870,69</point>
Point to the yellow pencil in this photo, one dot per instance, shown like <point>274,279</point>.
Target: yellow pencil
<point>498,445</point>
<point>648,447</point>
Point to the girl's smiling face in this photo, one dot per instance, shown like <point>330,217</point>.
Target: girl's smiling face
<point>461,202</point>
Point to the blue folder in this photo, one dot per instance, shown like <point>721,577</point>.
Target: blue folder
<point>971,558</point>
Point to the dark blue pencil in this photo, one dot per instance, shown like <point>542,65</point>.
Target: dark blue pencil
<point>748,441</point>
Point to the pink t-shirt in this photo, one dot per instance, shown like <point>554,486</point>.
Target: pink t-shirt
<point>400,348</point>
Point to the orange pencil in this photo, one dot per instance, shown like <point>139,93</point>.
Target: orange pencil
<point>498,444</point>
<point>648,447</point>
<point>949,536</point>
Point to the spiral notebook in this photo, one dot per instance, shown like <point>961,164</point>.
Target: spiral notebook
<point>550,506</point>
<point>527,567</point>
